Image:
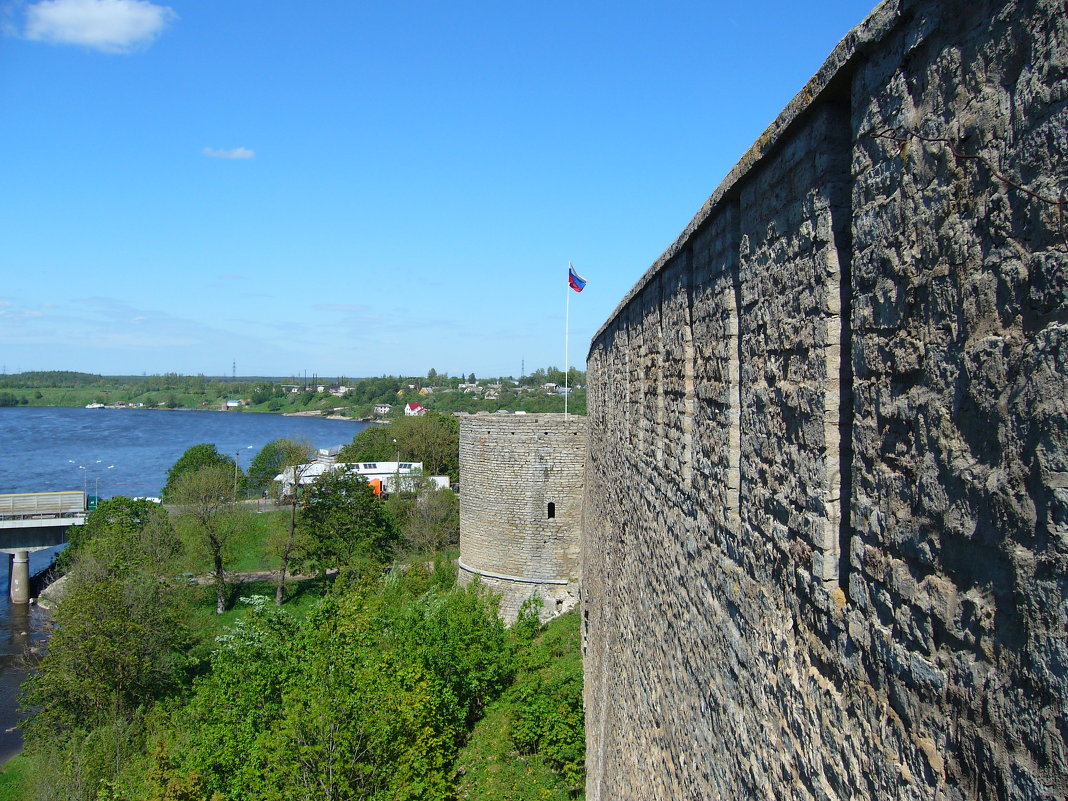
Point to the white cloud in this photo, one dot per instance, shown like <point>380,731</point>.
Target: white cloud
<point>229,153</point>
<point>8,312</point>
<point>114,26</point>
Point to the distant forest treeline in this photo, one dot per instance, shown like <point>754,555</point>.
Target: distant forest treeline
<point>539,391</point>
<point>56,379</point>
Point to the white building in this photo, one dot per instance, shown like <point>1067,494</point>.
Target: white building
<point>393,476</point>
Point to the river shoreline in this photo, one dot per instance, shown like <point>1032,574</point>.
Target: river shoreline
<point>29,628</point>
<point>109,454</point>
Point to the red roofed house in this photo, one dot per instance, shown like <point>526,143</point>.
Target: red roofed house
<point>414,410</point>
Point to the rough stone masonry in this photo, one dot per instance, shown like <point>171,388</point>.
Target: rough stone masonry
<point>825,548</point>
<point>521,507</point>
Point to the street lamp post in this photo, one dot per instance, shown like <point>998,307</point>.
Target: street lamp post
<point>237,468</point>
<point>85,479</point>
<point>85,483</point>
<point>396,477</point>
<point>109,467</point>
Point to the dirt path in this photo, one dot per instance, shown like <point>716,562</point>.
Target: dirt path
<point>246,577</point>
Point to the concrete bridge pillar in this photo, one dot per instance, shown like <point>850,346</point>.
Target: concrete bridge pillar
<point>20,578</point>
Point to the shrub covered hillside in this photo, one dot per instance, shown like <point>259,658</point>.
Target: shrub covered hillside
<point>396,684</point>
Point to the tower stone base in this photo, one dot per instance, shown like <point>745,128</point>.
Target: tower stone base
<point>521,488</point>
<point>557,597</point>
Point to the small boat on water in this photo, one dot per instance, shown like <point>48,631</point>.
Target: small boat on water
<point>94,406</point>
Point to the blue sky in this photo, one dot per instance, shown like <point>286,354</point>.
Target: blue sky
<point>363,188</point>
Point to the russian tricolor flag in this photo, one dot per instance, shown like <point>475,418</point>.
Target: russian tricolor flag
<point>574,280</point>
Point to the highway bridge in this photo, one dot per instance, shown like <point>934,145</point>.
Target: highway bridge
<point>30,521</point>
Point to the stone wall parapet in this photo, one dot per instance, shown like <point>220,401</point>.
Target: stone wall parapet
<point>824,542</point>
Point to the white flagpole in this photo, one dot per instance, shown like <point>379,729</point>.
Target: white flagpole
<point>567,331</point>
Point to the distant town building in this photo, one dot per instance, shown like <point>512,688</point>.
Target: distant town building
<point>414,410</point>
<point>382,408</point>
<point>328,455</point>
<point>391,476</point>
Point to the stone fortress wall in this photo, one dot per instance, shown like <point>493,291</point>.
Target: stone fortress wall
<point>521,507</point>
<point>825,548</point>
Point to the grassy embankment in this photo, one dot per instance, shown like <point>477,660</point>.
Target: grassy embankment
<point>15,779</point>
<point>249,552</point>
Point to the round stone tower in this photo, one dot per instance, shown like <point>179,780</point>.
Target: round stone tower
<point>521,485</point>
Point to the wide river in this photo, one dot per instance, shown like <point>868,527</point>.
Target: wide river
<point>112,452</point>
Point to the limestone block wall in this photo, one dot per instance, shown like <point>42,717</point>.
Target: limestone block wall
<point>521,489</point>
<point>825,548</point>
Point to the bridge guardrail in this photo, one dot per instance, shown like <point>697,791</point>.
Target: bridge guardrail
<point>41,505</point>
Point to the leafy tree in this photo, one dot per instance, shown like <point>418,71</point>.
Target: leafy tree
<point>385,735</point>
<point>531,742</point>
<point>206,500</point>
<point>548,702</point>
<point>218,733</point>
<point>428,518</point>
<point>395,672</point>
<point>261,393</point>
<point>85,764</point>
<point>278,455</point>
<point>342,520</point>
<point>170,784</point>
<point>119,629</point>
<point>111,650</point>
<point>273,458</point>
<point>123,531</point>
<point>433,439</point>
<point>373,444</point>
<point>458,637</point>
<point>371,695</point>
<point>195,458</point>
